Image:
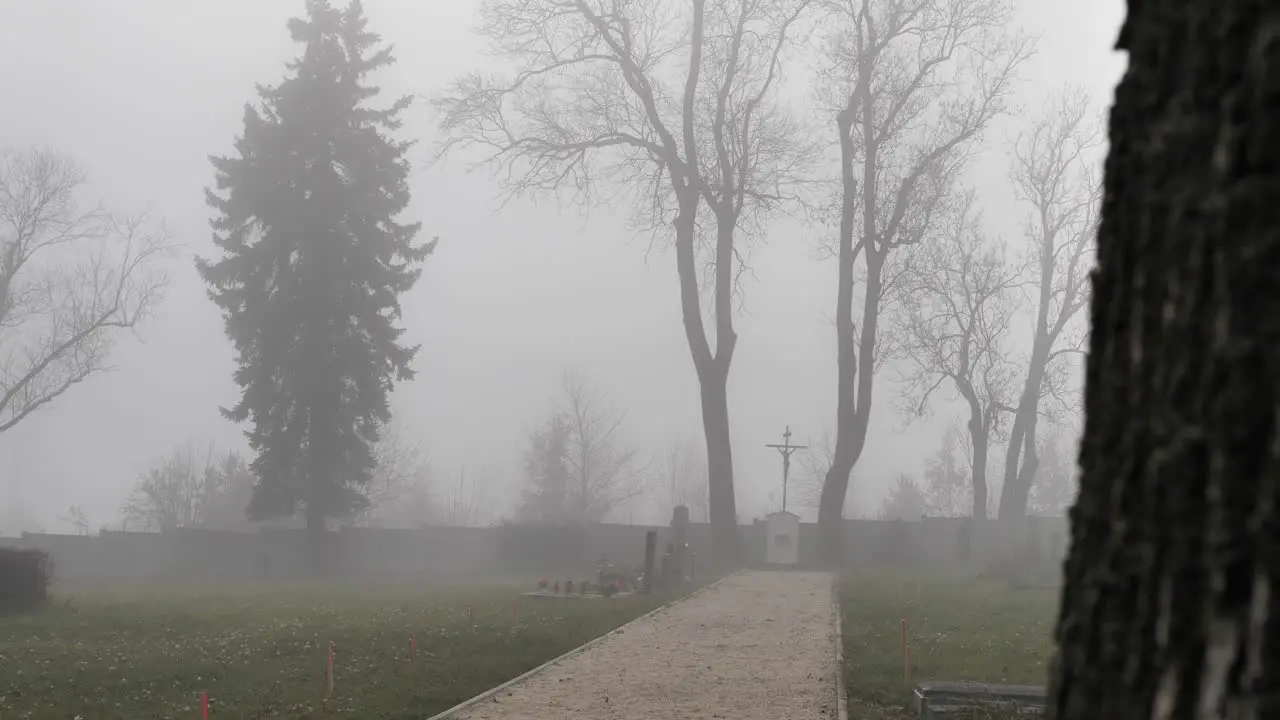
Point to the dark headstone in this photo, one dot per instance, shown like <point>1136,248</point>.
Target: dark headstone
<point>650,558</point>
<point>940,700</point>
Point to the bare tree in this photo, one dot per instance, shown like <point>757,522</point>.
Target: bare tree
<point>177,492</point>
<point>462,498</point>
<point>70,280</point>
<point>604,471</point>
<point>912,85</point>
<point>399,490</point>
<point>683,478</point>
<point>77,519</point>
<point>1055,172</point>
<point>956,305</point>
<point>674,103</point>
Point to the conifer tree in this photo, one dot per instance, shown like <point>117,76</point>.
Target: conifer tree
<point>312,264</point>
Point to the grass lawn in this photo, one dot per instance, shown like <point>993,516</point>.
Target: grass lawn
<point>261,654</point>
<point>984,632</point>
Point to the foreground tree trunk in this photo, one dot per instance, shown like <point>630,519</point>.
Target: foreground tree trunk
<point>979,427</point>
<point>1168,609</point>
<point>720,490</point>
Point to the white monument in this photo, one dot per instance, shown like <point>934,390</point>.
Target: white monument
<point>782,546</point>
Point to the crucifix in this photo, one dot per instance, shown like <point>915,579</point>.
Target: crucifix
<point>786,449</point>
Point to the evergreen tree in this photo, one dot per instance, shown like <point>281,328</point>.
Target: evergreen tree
<point>546,500</point>
<point>312,264</point>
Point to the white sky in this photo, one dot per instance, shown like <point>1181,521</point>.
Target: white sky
<point>142,91</point>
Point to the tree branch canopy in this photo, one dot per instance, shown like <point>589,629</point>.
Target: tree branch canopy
<point>71,280</point>
<point>955,307</point>
<point>675,103</point>
<point>911,86</point>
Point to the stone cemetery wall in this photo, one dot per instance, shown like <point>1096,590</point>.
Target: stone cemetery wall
<point>457,553</point>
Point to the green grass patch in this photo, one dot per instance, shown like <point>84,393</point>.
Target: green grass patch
<point>108,655</point>
<point>978,631</point>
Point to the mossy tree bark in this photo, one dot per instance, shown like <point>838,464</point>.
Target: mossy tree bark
<point>1168,609</point>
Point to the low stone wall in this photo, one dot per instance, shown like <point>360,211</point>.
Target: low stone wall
<point>933,544</point>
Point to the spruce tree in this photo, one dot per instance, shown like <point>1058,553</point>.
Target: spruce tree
<point>312,264</point>
<point>546,500</point>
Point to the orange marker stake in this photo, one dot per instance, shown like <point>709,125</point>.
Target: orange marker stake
<point>328,671</point>
<point>413,647</point>
<point>204,705</point>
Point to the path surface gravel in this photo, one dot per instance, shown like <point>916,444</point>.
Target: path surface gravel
<point>755,646</point>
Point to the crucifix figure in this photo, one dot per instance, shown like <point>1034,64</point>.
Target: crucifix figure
<point>786,449</point>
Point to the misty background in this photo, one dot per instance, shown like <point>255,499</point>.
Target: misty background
<point>141,92</point>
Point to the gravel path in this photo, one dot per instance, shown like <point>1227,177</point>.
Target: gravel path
<point>755,646</point>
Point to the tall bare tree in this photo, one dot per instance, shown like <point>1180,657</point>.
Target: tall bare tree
<point>72,280</point>
<point>604,470</point>
<point>674,103</point>
<point>912,84</point>
<point>1056,173</point>
<point>956,304</point>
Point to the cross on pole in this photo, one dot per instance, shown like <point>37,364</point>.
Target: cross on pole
<point>786,449</point>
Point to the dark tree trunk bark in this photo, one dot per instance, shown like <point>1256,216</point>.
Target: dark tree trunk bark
<point>979,436</point>
<point>1168,610</point>
<point>713,374</point>
<point>1020,456</point>
<point>853,391</point>
<point>853,407</point>
<point>720,495</point>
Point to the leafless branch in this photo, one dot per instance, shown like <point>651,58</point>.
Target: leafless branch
<point>955,308</point>
<point>912,85</point>
<point>682,472</point>
<point>651,97</point>
<point>1055,173</point>
<point>399,492</point>
<point>604,470</point>
<point>187,488</point>
<point>70,281</point>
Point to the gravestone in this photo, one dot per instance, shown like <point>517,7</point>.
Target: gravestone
<point>650,558</point>
<point>942,700</point>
